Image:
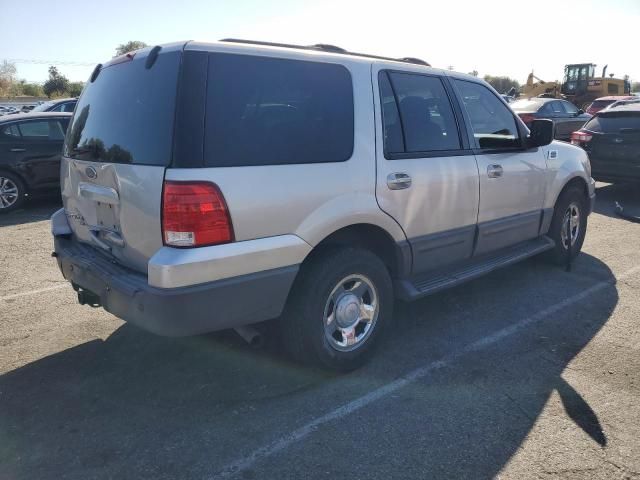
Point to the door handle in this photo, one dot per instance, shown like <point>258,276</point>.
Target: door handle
<point>18,150</point>
<point>494,171</point>
<point>398,181</point>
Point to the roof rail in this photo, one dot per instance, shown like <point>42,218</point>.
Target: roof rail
<point>327,48</point>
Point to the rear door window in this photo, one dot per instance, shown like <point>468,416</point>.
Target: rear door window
<point>269,111</point>
<point>426,116</point>
<point>127,114</point>
<point>10,131</point>
<point>493,124</point>
<point>44,130</point>
<point>615,123</point>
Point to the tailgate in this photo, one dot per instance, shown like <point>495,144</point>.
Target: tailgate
<point>117,148</point>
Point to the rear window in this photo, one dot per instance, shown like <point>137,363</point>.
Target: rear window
<point>267,111</point>
<point>614,123</point>
<point>601,103</point>
<point>126,115</point>
<point>526,105</point>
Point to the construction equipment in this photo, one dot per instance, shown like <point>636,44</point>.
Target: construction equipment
<point>580,85</point>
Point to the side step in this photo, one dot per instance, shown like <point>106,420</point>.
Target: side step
<point>432,282</point>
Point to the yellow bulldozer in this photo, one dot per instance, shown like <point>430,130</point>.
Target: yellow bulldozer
<point>580,85</point>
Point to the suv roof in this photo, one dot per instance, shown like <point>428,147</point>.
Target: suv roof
<point>631,107</point>
<point>614,97</point>
<point>324,47</point>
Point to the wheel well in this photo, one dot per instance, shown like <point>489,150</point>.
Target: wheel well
<point>576,182</point>
<point>367,236</point>
<point>13,172</point>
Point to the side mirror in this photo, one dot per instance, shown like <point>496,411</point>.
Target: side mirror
<point>541,133</point>
<point>580,112</point>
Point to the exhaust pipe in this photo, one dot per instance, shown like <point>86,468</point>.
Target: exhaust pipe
<point>250,335</point>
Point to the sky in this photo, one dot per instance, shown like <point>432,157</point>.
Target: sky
<point>493,37</point>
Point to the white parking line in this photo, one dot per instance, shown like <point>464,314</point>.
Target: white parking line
<point>33,292</point>
<point>297,435</point>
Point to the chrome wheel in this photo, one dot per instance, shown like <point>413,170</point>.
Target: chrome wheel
<point>572,220</point>
<point>350,313</point>
<point>8,192</point>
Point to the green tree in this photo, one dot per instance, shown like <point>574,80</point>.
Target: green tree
<point>130,46</point>
<point>75,89</point>
<point>502,84</point>
<point>57,85</point>
<point>635,86</point>
<point>31,89</point>
<point>7,72</point>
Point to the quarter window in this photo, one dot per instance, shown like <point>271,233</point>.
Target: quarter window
<point>267,111</point>
<point>493,124</point>
<point>11,131</point>
<point>427,119</point>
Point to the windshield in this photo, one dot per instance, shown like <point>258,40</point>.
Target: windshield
<point>126,115</point>
<point>43,107</point>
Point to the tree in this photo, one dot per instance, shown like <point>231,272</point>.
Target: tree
<point>130,46</point>
<point>57,84</point>
<point>75,89</point>
<point>31,89</point>
<point>502,84</point>
<point>635,86</point>
<point>7,72</point>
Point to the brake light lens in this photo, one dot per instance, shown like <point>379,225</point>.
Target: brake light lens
<point>194,214</point>
<point>527,118</point>
<point>580,138</point>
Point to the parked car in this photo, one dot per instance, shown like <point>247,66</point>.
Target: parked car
<point>306,195</point>
<point>59,105</point>
<point>27,108</point>
<point>30,152</point>
<point>622,102</point>
<point>612,140</point>
<point>565,115</point>
<point>603,102</point>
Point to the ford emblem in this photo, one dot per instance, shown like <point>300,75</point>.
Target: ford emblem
<point>91,172</point>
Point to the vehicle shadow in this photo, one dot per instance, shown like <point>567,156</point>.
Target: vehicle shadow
<point>627,195</point>
<point>33,210</point>
<point>141,406</point>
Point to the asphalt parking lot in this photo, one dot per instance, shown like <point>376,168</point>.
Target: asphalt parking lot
<point>531,372</point>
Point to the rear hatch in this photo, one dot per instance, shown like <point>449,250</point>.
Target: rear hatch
<point>117,148</point>
<point>615,144</point>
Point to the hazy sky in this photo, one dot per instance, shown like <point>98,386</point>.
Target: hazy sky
<point>493,37</point>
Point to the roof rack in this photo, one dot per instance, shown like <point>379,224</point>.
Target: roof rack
<point>327,48</point>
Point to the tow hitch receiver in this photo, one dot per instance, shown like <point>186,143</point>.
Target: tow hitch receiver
<point>85,297</point>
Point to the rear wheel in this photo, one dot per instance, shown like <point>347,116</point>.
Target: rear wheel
<point>338,309</point>
<point>12,192</point>
<point>569,221</point>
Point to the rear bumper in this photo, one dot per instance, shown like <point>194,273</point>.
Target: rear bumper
<point>179,311</point>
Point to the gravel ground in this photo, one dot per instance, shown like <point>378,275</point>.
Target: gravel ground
<point>530,372</point>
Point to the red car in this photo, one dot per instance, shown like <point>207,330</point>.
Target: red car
<point>602,102</point>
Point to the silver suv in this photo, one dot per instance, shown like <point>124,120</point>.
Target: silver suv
<point>213,186</point>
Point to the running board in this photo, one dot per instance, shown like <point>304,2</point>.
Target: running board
<point>433,282</point>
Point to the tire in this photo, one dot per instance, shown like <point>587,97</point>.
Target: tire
<point>331,285</point>
<point>572,198</point>
<point>12,192</point>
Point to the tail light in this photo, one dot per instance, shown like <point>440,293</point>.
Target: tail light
<point>580,138</point>
<point>527,118</point>
<point>194,214</point>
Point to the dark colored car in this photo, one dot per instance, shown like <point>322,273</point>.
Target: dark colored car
<point>59,105</point>
<point>612,140</point>
<point>30,150</point>
<point>566,117</point>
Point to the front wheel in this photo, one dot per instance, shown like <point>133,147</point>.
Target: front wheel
<point>569,224</point>
<point>338,309</point>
